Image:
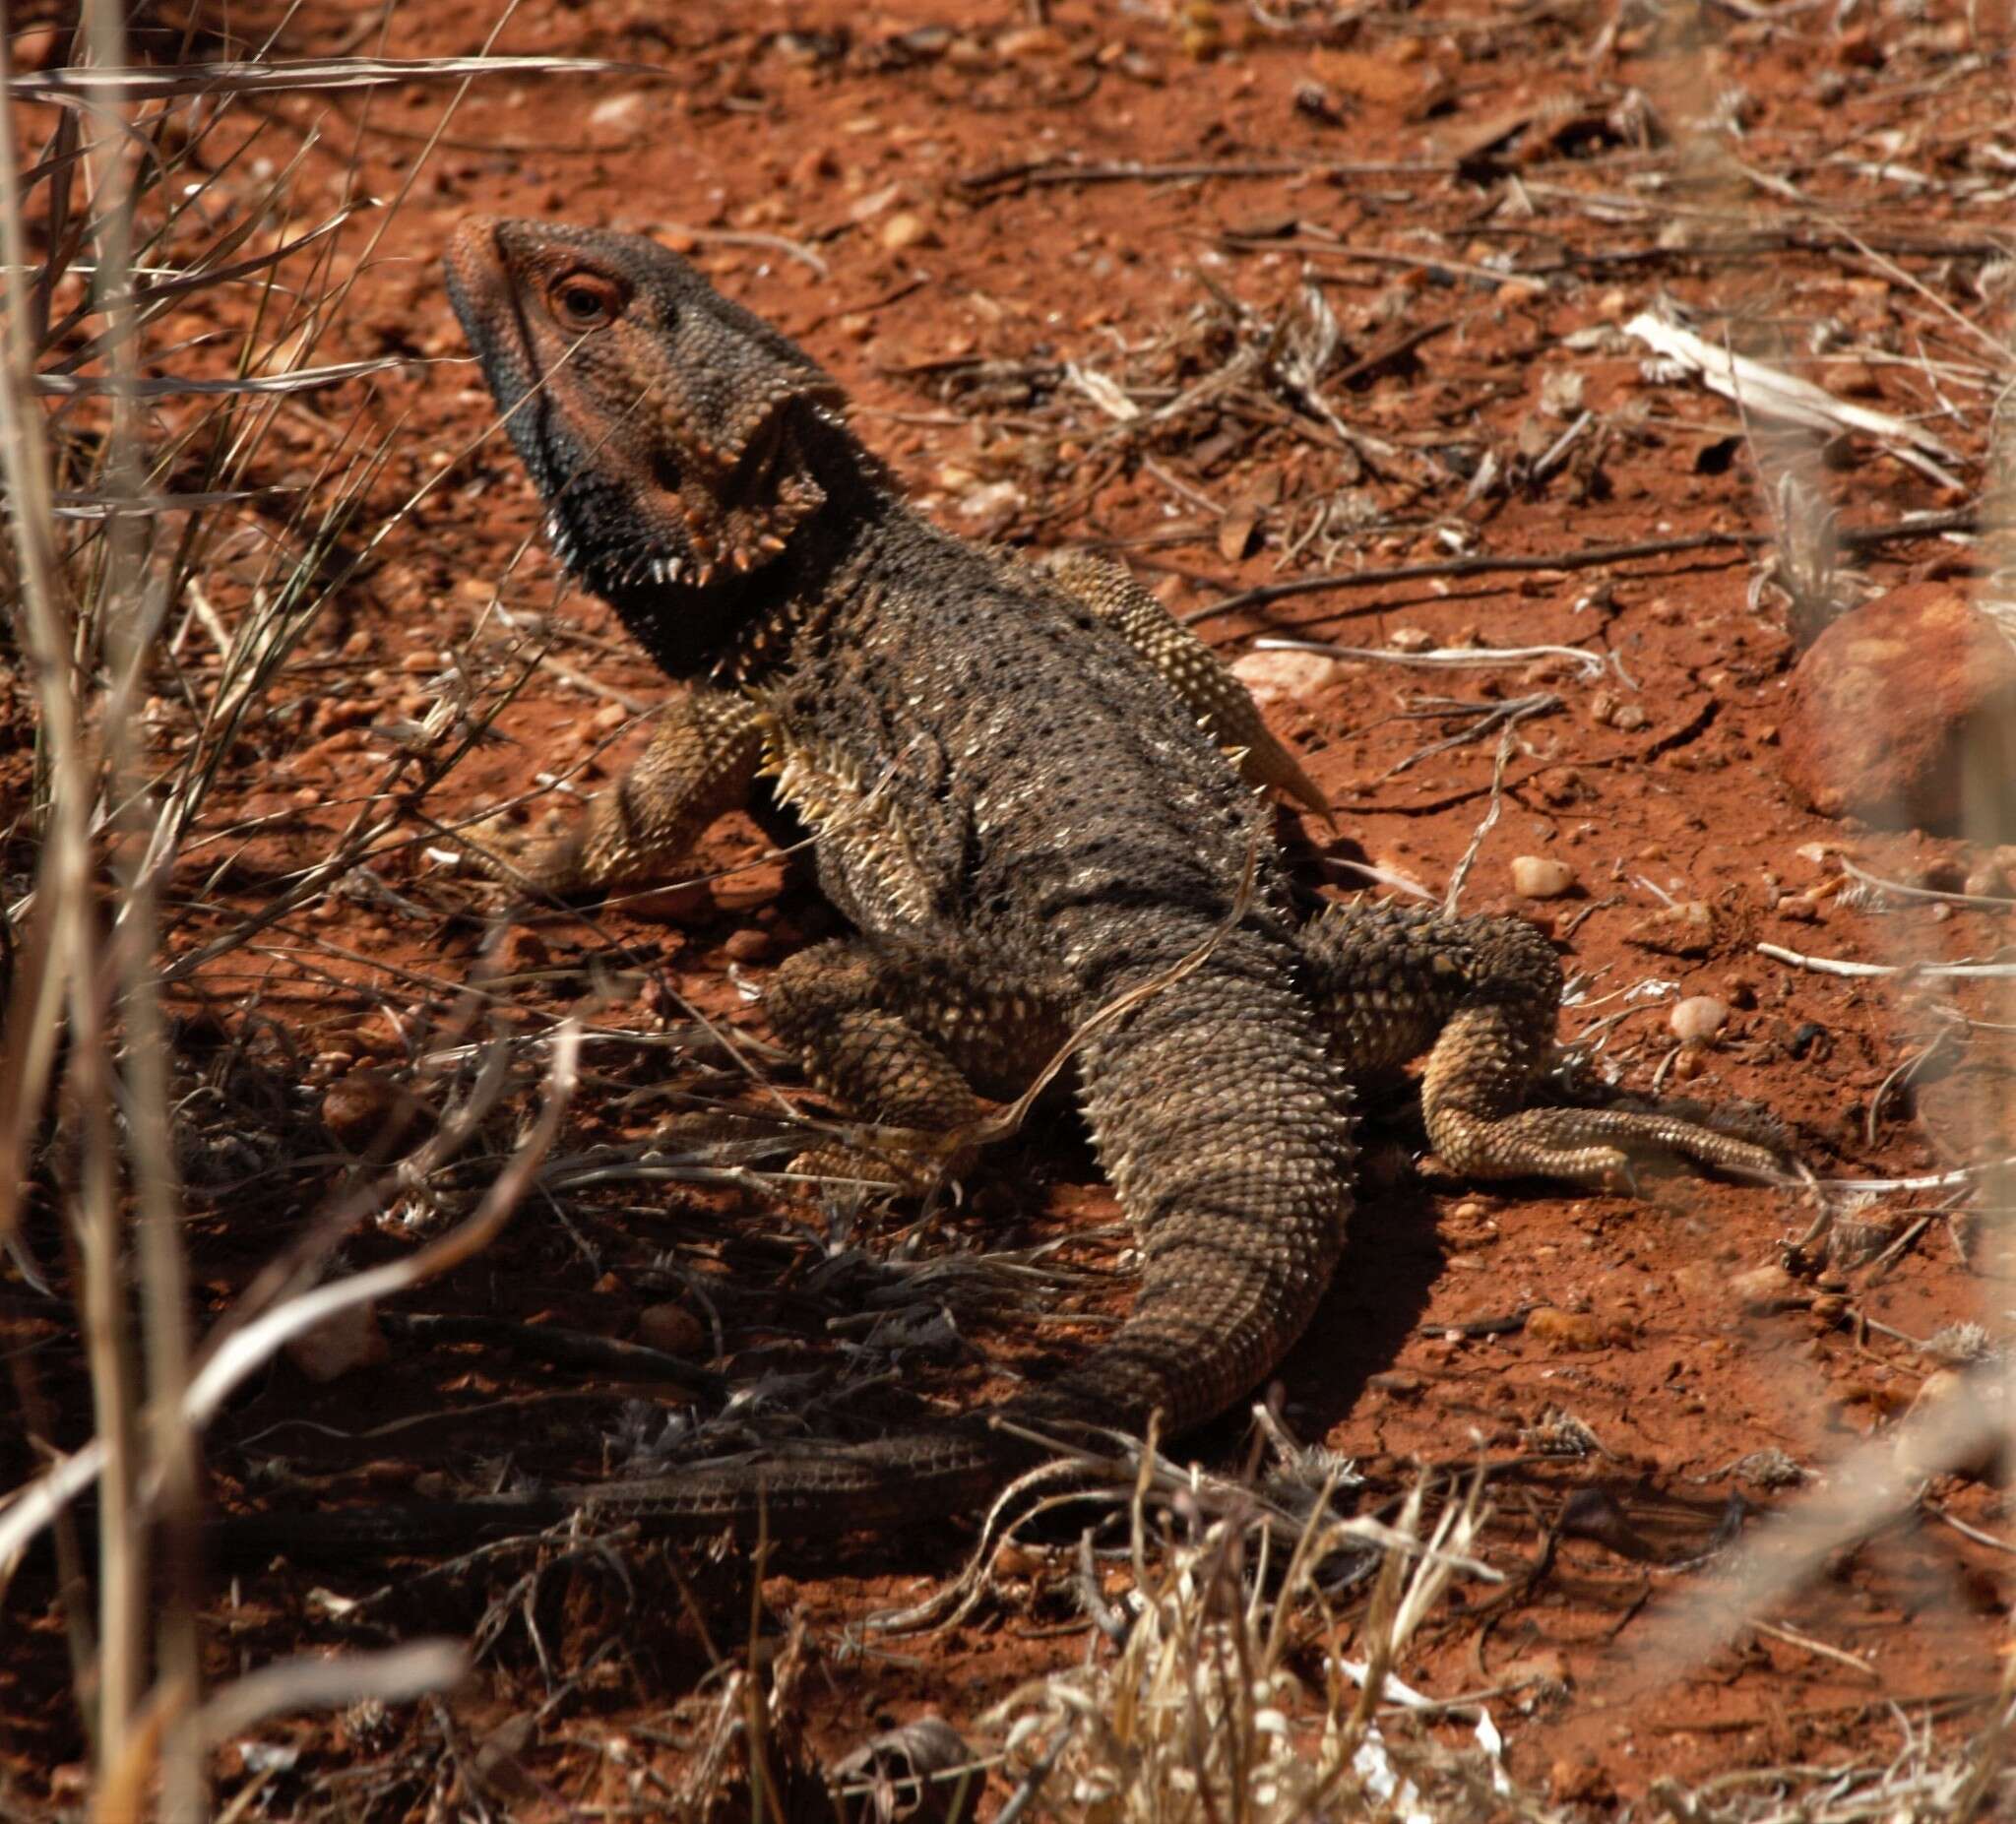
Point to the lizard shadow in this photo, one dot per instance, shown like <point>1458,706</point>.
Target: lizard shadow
<point>1393,1257</point>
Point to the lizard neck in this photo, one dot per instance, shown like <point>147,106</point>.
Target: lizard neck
<point>788,604</point>
<point>829,569</point>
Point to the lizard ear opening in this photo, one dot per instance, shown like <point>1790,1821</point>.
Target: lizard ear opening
<point>763,488</point>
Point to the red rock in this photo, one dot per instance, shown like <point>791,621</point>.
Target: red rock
<point>1904,714</point>
<point>1271,675</point>
<point>519,951</point>
<point>1579,1781</point>
<point>370,1112</point>
<point>336,714</point>
<point>348,1339</point>
<point>672,1329</point>
<point>1564,1330</point>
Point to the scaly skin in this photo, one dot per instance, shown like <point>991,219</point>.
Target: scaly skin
<point>1023,806</point>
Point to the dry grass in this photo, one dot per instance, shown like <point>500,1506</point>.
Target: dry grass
<point>1228,1692</point>
<point>129,502</point>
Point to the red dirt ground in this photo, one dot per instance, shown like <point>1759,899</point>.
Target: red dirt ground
<point>1470,186</point>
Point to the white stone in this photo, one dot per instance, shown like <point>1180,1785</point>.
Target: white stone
<point>1698,1017</point>
<point>1270,674</point>
<point>1541,877</point>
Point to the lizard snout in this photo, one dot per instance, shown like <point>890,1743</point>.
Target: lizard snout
<point>474,260</point>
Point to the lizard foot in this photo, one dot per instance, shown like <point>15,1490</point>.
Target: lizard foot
<point>701,762</point>
<point>541,860</point>
<point>1601,1148</point>
<point>913,1163</point>
<point>1482,995</point>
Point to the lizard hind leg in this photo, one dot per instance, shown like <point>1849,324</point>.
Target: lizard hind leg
<point>899,1037</point>
<point>1480,997</point>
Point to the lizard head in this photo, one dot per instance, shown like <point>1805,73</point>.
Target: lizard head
<point>672,435</point>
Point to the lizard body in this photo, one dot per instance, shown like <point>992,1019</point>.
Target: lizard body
<point>1024,784</point>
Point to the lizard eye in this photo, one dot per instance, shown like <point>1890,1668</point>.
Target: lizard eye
<point>586,300</point>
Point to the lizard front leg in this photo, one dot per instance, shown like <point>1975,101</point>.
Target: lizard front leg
<point>1208,690</point>
<point>701,763</point>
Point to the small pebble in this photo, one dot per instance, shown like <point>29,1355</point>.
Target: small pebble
<point>1410,640</point>
<point>368,1111</point>
<point>747,945</point>
<point>351,1338</point>
<point>617,110</point>
<point>672,1329</point>
<point>1917,1446</point>
<point>907,229</point>
<point>519,951</point>
<point>37,48</point>
<point>689,903</point>
<point>1684,931</point>
<point>1269,675</point>
<point>1559,1329</point>
<point>1579,1782</point>
<point>1805,1038</point>
<point>1541,877</point>
<point>1766,1289</point>
<point>336,714</point>
<point>1698,1017</point>
<point>1022,41</point>
<point>814,166</point>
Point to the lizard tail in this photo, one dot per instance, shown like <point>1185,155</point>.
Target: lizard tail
<point>785,1495</point>
<point>1226,1131</point>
